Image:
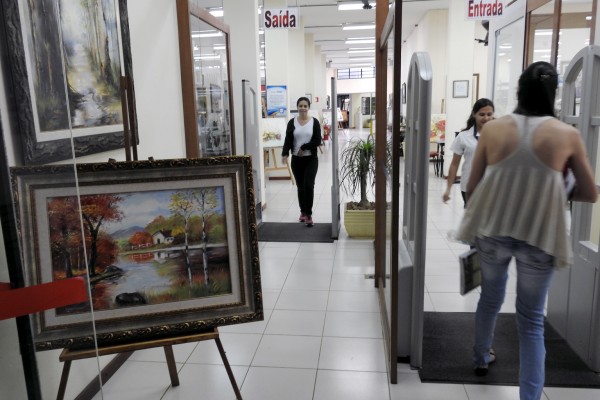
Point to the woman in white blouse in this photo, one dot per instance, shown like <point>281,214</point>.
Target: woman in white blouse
<point>302,138</point>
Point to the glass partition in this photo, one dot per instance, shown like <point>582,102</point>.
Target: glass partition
<point>509,47</point>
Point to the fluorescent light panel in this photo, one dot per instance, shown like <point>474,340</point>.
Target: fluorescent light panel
<point>361,51</point>
<point>201,34</point>
<point>360,41</point>
<point>357,27</point>
<point>217,12</point>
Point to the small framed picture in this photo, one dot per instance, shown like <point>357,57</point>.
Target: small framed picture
<point>403,94</point>
<point>460,89</point>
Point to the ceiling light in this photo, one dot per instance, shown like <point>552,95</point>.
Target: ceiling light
<point>219,47</point>
<point>216,12</point>
<point>588,18</point>
<point>361,58</point>
<point>207,57</point>
<point>361,51</point>
<point>357,27</point>
<point>544,32</point>
<point>360,41</point>
<point>201,34</point>
<point>351,5</point>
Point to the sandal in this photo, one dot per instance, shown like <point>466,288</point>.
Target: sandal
<point>483,369</point>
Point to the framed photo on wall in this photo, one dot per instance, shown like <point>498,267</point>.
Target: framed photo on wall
<point>460,89</point>
<point>168,247</point>
<point>64,84</point>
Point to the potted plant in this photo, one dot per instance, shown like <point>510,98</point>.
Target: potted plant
<point>357,175</point>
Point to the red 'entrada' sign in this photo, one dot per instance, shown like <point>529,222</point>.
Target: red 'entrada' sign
<point>484,9</point>
<point>281,18</point>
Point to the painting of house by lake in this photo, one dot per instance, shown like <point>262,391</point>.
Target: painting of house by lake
<point>142,248</point>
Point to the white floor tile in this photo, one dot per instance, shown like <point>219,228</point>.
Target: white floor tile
<point>348,385</point>
<point>352,282</point>
<point>288,351</point>
<point>302,300</point>
<point>353,301</point>
<point>279,383</point>
<point>240,349</point>
<point>289,322</point>
<point>410,387</point>
<point>352,354</point>
<point>492,392</point>
<point>137,381</point>
<point>353,324</point>
<point>206,382</point>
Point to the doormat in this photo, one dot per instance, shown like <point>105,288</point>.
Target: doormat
<point>294,232</point>
<point>448,349</point>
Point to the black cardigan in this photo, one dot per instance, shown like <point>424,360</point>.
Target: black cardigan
<point>315,140</point>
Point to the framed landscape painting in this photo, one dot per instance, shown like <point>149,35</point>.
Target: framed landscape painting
<point>66,60</point>
<point>167,247</point>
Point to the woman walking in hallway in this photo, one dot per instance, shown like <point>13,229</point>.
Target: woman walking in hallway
<point>517,208</point>
<point>302,138</point>
<point>464,145</point>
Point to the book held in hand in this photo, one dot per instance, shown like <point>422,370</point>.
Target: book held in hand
<point>470,273</point>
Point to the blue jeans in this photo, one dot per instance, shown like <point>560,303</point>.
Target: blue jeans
<point>534,275</point>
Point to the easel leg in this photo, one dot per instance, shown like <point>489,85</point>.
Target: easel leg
<point>238,395</point>
<point>171,365</point>
<point>63,380</point>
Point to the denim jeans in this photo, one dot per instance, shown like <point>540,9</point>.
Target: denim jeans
<point>305,173</point>
<point>534,275</point>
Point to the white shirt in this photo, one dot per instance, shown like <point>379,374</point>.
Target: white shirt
<point>465,144</point>
<point>302,135</point>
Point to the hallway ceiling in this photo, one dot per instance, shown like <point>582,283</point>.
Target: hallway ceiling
<point>324,21</point>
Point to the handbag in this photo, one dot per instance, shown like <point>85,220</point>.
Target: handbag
<point>470,272</point>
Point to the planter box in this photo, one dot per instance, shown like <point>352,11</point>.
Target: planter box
<point>361,223</point>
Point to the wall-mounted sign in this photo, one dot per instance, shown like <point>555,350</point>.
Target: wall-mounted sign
<point>485,9</point>
<point>277,101</point>
<point>277,18</point>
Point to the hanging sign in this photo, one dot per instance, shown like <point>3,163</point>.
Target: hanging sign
<point>278,18</point>
<point>485,9</point>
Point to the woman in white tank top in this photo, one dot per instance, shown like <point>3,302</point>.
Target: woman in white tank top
<point>516,208</point>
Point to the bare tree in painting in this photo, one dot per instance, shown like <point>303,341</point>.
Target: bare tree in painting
<point>182,205</point>
<point>206,203</point>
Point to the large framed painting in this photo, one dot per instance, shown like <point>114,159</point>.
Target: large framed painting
<point>167,247</point>
<point>66,59</point>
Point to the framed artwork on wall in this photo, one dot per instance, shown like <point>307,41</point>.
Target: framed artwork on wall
<point>460,89</point>
<point>66,86</point>
<point>168,247</point>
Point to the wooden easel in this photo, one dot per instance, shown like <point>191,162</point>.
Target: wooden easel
<point>68,355</point>
<point>276,167</point>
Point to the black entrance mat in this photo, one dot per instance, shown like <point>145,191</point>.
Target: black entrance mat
<point>294,232</point>
<point>447,354</point>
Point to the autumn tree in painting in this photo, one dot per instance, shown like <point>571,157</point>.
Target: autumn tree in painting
<point>65,232</point>
<point>96,210</point>
<point>140,238</point>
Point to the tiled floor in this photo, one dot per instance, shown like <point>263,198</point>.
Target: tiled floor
<point>321,338</point>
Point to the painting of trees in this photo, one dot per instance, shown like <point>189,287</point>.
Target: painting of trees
<point>182,206</point>
<point>82,70</point>
<point>65,232</point>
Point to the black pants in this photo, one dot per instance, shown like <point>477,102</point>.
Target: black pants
<point>305,172</point>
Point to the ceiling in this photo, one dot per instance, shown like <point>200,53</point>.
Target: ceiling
<point>324,21</point>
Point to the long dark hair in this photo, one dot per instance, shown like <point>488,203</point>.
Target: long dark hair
<point>537,90</point>
<point>479,104</point>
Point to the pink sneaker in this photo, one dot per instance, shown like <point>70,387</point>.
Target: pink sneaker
<point>308,221</point>
<point>302,218</point>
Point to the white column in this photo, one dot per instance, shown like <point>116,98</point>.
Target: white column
<point>242,19</point>
<point>461,39</point>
